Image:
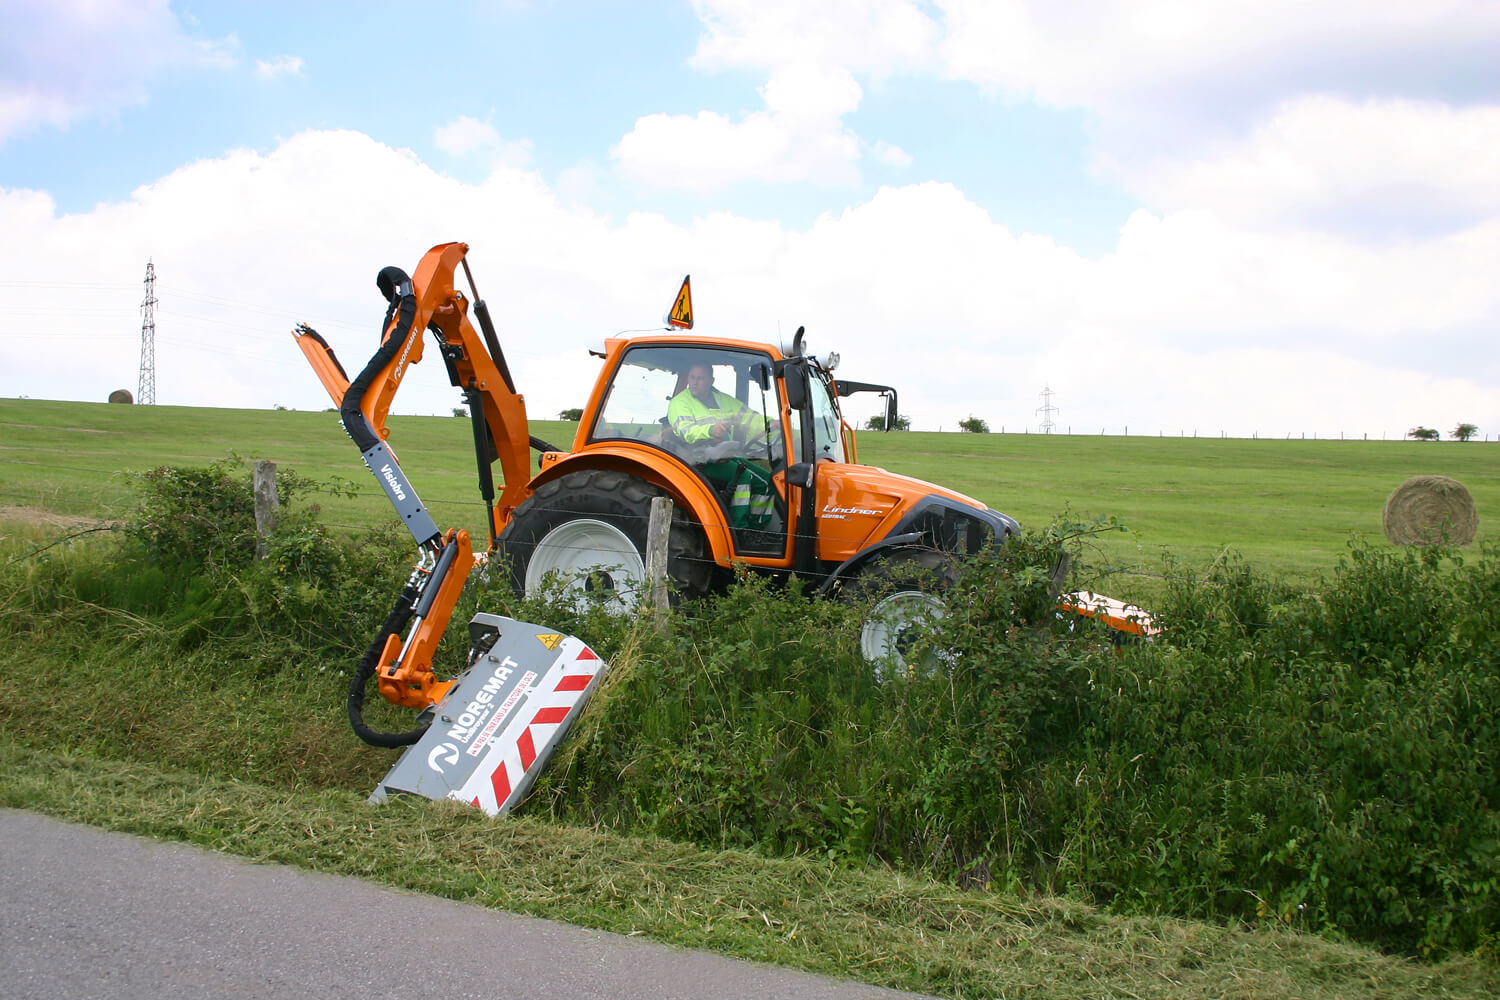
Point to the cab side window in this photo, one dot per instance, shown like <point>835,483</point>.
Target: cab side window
<point>828,437</point>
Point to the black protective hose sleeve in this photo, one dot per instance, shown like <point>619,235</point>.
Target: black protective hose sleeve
<point>396,287</point>
<point>394,623</point>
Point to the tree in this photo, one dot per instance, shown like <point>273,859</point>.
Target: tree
<point>1465,431</point>
<point>1423,434</point>
<point>974,425</point>
<point>576,413</point>
<point>459,411</point>
<point>877,423</point>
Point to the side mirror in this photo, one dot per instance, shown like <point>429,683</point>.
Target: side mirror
<point>795,377</point>
<point>890,412</point>
<point>800,474</point>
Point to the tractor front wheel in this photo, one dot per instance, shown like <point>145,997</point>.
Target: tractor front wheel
<point>906,590</point>
<point>587,530</point>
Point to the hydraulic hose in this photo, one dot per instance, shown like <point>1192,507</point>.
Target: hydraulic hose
<point>394,623</point>
<point>396,287</point>
<point>541,445</point>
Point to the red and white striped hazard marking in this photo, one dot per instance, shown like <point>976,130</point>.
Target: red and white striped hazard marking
<point>515,757</point>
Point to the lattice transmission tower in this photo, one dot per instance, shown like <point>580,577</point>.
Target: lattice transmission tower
<point>146,390</point>
<point>1046,410</point>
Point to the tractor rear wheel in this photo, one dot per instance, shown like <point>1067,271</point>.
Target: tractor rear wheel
<point>906,588</point>
<point>588,529</point>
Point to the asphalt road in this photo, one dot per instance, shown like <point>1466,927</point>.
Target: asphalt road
<point>85,913</point>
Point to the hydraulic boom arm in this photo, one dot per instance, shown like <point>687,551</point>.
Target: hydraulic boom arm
<point>427,300</point>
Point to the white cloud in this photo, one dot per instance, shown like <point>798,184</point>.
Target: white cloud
<point>811,55</point>
<point>1209,68</point>
<point>891,156</point>
<point>269,69</point>
<point>1295,112</point>
<point>62,60</point>
<point>810,92</point>
<point>1191,322</point>
<point>708,151</point>
<point>1375,167</point>
<point>579,184</point>
<point>799,137</point>
<point>1330,113</point>
<point>464,135</point>
<point>863,36</point>
<point>1180,57</point>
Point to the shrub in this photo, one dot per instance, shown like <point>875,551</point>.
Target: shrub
<point>194,539</point>
<point>1323,761</point>
<point>877,423</point>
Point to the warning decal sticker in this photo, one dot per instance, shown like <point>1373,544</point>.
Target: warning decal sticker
<point>682,309</point>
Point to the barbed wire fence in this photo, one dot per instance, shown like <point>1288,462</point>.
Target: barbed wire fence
<point>1196,433</point>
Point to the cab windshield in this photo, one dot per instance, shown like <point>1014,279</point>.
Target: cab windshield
<point>718,411</point>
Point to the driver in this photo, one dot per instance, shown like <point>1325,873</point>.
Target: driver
<point>700,414</point>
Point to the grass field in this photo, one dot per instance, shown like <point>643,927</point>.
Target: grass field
<point>1288,507</point>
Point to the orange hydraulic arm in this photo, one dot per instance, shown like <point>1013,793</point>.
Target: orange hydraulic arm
<point>427,300</point>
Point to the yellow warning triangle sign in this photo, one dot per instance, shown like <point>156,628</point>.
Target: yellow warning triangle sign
<point>682,309</point>
<point>549,639</point>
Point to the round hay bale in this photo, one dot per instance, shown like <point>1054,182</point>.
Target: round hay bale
<point>121,396</point>
<point>1429,510</point>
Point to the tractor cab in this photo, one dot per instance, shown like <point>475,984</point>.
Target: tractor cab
<point>717,410</point>
<point>752,442</point>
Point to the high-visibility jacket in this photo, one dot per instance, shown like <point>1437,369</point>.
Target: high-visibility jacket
<point>693,420</point>
<point>750,501</point>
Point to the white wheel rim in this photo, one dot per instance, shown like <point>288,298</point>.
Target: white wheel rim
<point>889,623</point>
<point>591,559</point>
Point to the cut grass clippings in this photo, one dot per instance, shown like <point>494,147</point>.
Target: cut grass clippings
<point>876,926</point>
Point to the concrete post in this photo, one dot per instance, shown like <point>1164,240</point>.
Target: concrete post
<point>658,529</point>
<point>266,504</point>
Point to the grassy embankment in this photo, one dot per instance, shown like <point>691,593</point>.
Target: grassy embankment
<point>210,725</point>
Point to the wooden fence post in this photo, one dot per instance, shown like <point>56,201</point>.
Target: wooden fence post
<point>658,529</point>
<point>266,504</point>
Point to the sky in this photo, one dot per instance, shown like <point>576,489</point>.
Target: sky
<point>1213,217</point>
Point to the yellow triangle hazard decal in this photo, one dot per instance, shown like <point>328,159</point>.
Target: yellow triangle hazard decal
<point>682,309</point>
<point>549,639</point>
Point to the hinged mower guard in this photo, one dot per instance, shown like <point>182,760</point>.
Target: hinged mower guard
<point>497,726</point>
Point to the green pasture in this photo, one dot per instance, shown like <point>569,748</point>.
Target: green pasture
<point>1287,507</point>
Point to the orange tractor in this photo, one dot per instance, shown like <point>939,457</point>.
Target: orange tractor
<point>747,441</point>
